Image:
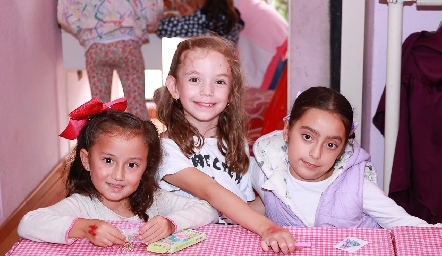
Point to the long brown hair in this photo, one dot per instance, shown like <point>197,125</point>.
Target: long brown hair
<point>231,127</point>
<point>124,124</point>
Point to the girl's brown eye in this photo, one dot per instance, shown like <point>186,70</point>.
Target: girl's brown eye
<point>332,145</point>
<point>132,165</point>
<point>307,137</point>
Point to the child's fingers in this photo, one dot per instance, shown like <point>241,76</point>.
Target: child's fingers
<point>152,235</point>
<point>106,242</point>
<point>264,246</point>
<point>283,246</point>
<point>288,245</point>
<point>147,226</point>
<point>155,229</point>
<point>116,237</point>
<point>111,233</point>
<point>101,241</point>
<point>278,239</point>
<point>275,246</point>
<point>103,234</point>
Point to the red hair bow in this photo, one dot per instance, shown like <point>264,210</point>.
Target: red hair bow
<point>79,117</point>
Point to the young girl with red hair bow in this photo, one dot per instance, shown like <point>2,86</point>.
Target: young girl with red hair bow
<point>112,177</point>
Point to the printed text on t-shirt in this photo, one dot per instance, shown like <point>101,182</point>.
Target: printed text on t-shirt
<point>202,161</point>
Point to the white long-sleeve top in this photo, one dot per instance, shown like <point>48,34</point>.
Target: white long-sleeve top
<point>53,223</point>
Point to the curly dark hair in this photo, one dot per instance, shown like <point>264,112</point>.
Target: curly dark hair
<point>325,99</point>
<point>121,123</point>
<point>215,11</point>
<point>231,127</point>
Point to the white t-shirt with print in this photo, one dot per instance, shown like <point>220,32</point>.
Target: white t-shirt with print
<point>208,160</point>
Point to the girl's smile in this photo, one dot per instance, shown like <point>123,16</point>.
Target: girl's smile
<point>205,105</point>
<point>114,187</point>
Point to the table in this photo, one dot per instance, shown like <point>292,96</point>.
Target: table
<point>228,240</point>
<point>417,241</point>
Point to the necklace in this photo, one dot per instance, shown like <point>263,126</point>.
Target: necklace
<point>212,136</point>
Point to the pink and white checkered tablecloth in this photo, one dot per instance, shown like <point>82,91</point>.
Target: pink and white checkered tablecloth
<point>417,241</point>
<point>228,240</point>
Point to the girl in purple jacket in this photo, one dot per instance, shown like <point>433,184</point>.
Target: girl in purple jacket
<point>314,173</point>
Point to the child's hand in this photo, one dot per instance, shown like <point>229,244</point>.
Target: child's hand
<point>98,232</point>
<point>155,229</point>
<point>278,239</point>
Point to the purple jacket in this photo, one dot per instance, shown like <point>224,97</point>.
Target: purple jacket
<point>340,204</point>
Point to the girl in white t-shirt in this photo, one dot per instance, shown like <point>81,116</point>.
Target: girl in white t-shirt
<point>205,152</point>
<point>112,177</point>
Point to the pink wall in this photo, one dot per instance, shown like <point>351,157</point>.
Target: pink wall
<point>309,46</point>
<point>32,96</point>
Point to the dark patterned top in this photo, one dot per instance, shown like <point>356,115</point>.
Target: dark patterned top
<point>196,25</point>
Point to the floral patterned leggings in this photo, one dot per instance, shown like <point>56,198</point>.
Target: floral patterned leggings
<point>126,58</point>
